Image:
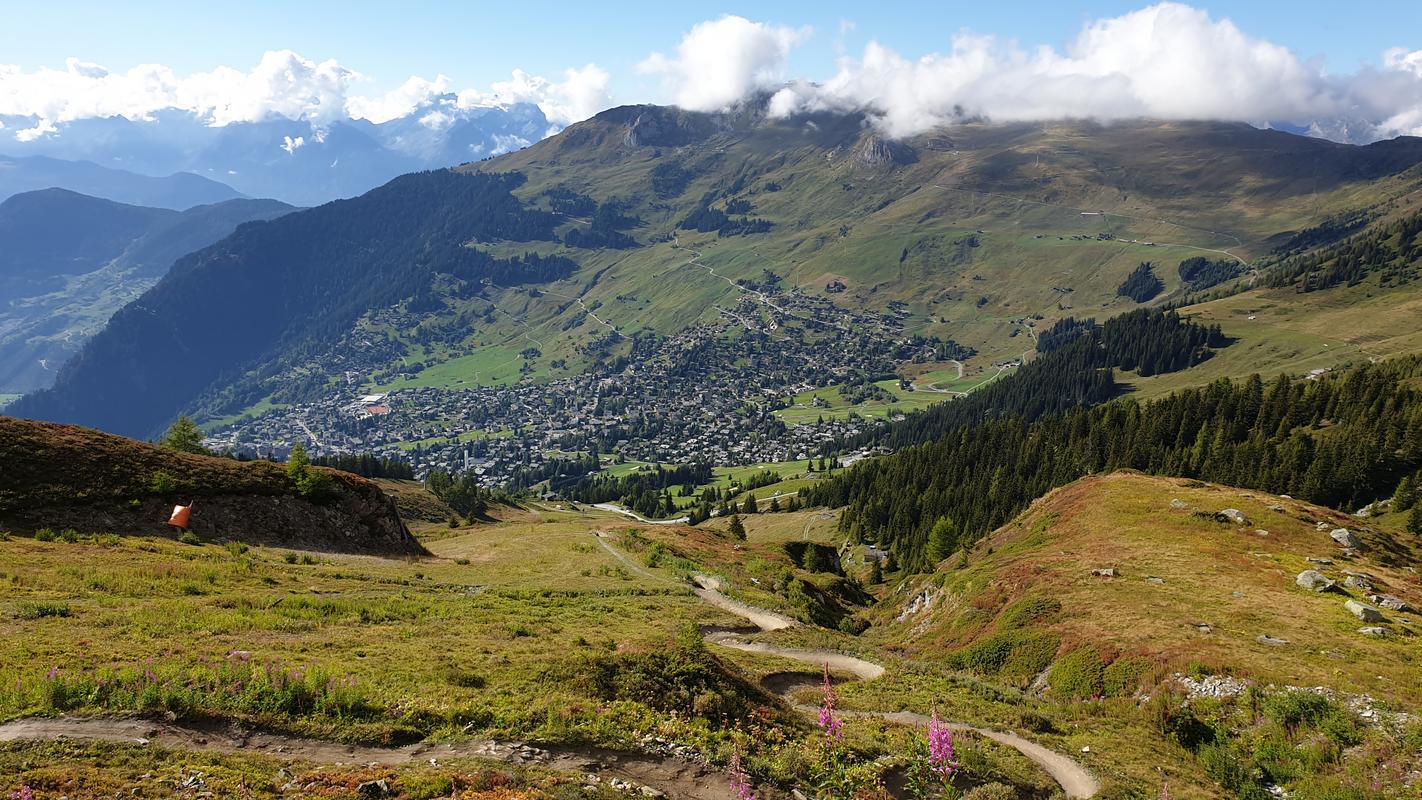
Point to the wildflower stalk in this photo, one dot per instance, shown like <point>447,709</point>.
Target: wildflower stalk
<point>740,781</point>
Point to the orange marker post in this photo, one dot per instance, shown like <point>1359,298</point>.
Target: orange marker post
<point>181,516</point>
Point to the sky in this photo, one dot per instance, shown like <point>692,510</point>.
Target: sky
<point>916,61</point>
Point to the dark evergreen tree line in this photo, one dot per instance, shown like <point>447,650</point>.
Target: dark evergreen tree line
<point>463,494</point>
<point>1200,273</point>
<point>1142,284</point>
<point>1342,441</point>
<point>368,465</point>
<point>1075,369</point>
<point>645,491</point>
<point>1391,249</point>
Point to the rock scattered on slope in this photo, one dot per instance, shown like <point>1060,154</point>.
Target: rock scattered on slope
<point>1232,515</point>
<point>1358,581</point>
<point>1391,603</point>
<point>1105,572</point>
<point>1363,611</point>
<point>1372,630</point>
<point>1315,581</point>
<point>1345,538</point>
<point>919,604</point>
<point>1271,641</point>
<point>1218,686</point>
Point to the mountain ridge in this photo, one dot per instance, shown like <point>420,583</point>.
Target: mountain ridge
<point>177,190</point>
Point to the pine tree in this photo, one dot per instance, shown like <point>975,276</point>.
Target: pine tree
<point>297,463</point>
<point>942,540</point>
<point>1414,520</point>
<point>748,507</point>
<point>1405,498</point>
<point>184,436</point>
<point>774,505</point>
<point>876,572</point>
<point>737,529</point>
<point>311,483</point>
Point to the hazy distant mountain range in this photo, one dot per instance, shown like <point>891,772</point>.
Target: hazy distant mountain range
<point>68,261</point>
<point>295,161</point>
<point>175,191</point>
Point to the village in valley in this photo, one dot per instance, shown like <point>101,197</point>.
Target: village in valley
<point>715,393</point>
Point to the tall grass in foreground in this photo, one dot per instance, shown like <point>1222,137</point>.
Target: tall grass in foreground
<point>236,685</point>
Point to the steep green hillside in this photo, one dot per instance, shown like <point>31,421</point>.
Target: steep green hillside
<point>1255,680</point>
<point>290,283</point>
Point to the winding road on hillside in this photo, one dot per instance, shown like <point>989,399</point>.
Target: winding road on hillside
<point>1074,779</point>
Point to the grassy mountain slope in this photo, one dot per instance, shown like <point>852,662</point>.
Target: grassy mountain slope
<point>961,224</point>
<point>70,261</point>
<point>63,476</point>
<point>1238,580</point>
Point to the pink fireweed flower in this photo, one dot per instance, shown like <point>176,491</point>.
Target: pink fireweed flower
<point>941,755</point>
<point>829,723</point>
<point>52,674</point>
<point>740,782</point>
<point>23,793</point>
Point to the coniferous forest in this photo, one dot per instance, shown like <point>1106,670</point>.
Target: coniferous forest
<point>1076,368</point>
<point>1344,440</point>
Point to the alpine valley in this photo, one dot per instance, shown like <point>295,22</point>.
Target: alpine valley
<point>720,455</point>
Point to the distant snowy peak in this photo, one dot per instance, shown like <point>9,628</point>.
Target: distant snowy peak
<point>295,160</point>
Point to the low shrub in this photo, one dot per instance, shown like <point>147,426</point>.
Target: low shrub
<point>1016,655</point>
<point>1027,611</point>
<point>1078,675</point>
<point>683,677</point>
<point>42,610</point>
<point>188,537</point>
<point>162,483</point>
<point>1123,676</point>
<point>45,535</point>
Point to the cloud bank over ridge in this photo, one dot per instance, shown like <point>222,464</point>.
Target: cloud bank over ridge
<point>1167,61</point>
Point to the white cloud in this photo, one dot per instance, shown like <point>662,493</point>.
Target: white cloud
<point>42,128</point>
<point>723,61</point>
<point>283,83</point>
<point>413,93</point>
<point>581,93</point>
<point>1166,61</point>
<point>291,145</point>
